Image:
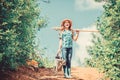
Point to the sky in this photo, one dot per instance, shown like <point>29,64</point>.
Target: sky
<point>83,14</point>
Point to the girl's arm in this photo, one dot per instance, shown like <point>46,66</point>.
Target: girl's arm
<point>60,43</point>
<point>59,47</point>
<point>76,36</point>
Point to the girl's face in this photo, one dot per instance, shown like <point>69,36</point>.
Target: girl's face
<point>67,24</point>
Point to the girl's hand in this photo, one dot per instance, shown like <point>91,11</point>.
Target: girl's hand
<point>77,31</point>
<point>58,52</point>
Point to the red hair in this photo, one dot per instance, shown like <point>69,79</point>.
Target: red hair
<point>70,22</point>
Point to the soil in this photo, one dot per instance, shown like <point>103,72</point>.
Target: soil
<point>25,73</point>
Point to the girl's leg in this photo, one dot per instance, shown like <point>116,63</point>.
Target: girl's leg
<point>64,54</point>
<point>68,62</point>
<point>65,71</point>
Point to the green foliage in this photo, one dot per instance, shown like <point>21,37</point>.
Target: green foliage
<point>41,58</point>
<point>105,53</point>
<point>18,24</point>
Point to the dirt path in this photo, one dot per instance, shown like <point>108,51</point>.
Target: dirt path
<point>78,73</point>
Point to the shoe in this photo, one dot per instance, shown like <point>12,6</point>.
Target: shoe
<point>66,76</point>
<point>69,76</point>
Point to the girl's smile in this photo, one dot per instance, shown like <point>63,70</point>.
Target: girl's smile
<point>66,24</point>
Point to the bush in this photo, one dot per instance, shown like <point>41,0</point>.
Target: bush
<point>18,24</point>
<point>105,52</point>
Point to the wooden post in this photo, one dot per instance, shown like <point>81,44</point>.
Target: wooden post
<point>81,30</point>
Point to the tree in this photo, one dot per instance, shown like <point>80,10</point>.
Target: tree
<point>18,24</point>
<point>105,52</point>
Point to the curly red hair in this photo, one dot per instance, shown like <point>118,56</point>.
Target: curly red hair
<point>70,22</point>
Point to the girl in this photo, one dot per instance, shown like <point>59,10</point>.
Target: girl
<point>65,43</point>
